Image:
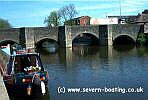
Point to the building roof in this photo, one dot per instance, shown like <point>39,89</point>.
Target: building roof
<point>132,16</point>
<point>80,17</point>
<point>143,18</point>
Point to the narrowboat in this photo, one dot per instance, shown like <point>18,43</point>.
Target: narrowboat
<point>23,70</point>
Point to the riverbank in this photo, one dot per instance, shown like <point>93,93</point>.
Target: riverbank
<point>3,91</point>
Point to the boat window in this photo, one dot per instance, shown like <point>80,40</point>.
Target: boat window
<point>25,61</point>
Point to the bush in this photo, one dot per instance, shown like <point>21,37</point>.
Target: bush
<point>141,38</point>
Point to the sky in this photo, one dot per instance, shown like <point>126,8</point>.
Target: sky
<point>28,13</point>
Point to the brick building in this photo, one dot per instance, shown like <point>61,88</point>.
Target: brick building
<point>82,21</point>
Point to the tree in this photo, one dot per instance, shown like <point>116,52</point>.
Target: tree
<point>4,24</point>
<point>145,11</point>
<point>70,22</point>
<point>67,13</point>
<point>141,39</point>
<point>52,19</point>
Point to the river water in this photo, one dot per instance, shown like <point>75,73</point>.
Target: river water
<point>97,67</point>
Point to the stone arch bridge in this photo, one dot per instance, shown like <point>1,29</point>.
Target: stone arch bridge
<point>64,35</point>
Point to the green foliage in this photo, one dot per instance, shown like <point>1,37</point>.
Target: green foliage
<point>52,19</point>
<point>70,22</point>
<point>141,39</point>
<point>4,24</point>
<point>62,15</point>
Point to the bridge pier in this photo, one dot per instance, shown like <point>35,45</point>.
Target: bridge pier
<point>109,39</point>
<point>68,37</point>
<point>27,37</point>
<point>30,42</point>
<point>105,35</point>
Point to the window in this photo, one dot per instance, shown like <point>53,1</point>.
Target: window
<point>24,61</point>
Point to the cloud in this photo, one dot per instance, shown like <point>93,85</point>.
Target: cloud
<point>124,12</point>
<point>130,7</point>
<point>95,7</point>
<point>133,3</point>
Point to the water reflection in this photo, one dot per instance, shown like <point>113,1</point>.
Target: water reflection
<point>82,50</point>
<point>123,48</point>
<point>47,50</point>
<point>31,98</point>
<point>97,67</point>
<point>142,51</point>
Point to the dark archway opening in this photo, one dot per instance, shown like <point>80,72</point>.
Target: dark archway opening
<point>85,39</point>
<point>124,43</point>
<point>47,46</point>
<point>123,40</point>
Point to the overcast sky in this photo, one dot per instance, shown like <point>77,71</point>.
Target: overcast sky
<point>32,13</point>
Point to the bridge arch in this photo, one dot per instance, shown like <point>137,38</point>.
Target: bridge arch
<point>124,39</point>
<point>85,33</point>
<point>5,42</point>
<point>46,39</point>
<point>85,38</point>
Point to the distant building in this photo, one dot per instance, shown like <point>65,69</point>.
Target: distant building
<point>82,21</point>
<point>142,18</point>
<point>135,19</point>
<point>102,21</point>
<point>125,19</point>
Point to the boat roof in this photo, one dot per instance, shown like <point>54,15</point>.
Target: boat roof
<point>18,52</point>
<point>24,54</point>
